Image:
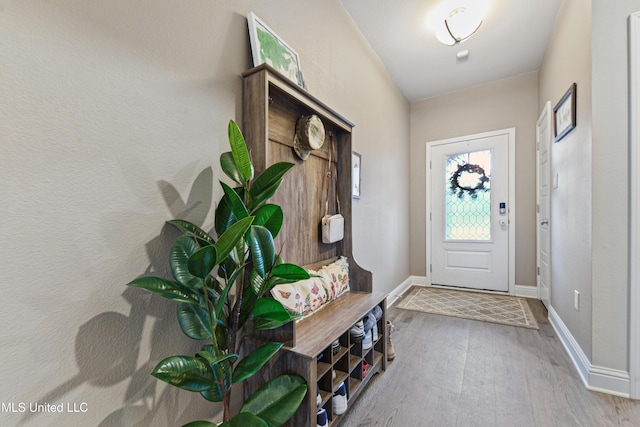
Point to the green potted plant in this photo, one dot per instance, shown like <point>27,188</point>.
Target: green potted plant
<point>221,288</point>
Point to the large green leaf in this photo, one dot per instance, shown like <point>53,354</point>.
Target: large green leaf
<point>254,361</point>
<point>270,309</point>
<point>212,395</point>
<point>265,325</point>
<point>266,184</point>
<point>194,321</point>
<point>277,401</point>
<point>269,314</point>
<point>224,217</point>
<point>249,299</point>
<point>185,372</point>
<point>257,283</point>
<point>231,237</point>
<point>270,217</point>
<point>166,289</point>
<point>228,166</point>
<point>188,228</point>
<point>202,261</point>
<point>214,360</point>
<point>238,208</point>
<point>263,250</point>
<point>240,153</point>
<point>213,285</point>
<point>290,272</point>
<point>181,251</point>
<point>243,419</point>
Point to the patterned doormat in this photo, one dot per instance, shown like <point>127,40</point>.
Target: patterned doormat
<point>502,309</point>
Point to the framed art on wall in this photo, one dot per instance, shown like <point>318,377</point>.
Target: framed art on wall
<point>267,47</point>
<point>356,178</point>
<point>564,114</point>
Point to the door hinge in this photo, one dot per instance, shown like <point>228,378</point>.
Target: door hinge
<point>538,270</point>
<point>430,268</point>
<point>538,207</point>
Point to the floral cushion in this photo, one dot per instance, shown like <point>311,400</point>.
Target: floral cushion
<point>336,277</point>
<point>305,296</point>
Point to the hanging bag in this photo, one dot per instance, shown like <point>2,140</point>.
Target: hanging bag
<point>332,225</point>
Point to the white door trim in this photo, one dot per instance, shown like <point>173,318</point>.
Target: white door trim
<point>546,116</point>
<point>511,132</point>
<point>634,247</point>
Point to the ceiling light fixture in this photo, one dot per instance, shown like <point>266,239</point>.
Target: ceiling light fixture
<point>456,21</point>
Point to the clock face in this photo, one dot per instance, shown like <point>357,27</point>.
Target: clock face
<point>315,132</point>
<point>309,136</point>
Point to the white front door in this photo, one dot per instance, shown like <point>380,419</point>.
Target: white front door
<point>469,198</point>
<point>543,138</point>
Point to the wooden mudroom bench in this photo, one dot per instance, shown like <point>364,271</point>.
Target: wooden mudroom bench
<point>272,105</point>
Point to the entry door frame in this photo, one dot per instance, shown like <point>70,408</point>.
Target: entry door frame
<point>545,116</point>
<point>634,247</point>
<point>511,133</point>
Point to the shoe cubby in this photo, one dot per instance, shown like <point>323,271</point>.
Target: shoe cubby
<point>347,365</point>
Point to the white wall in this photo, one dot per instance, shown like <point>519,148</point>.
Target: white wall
<point>505,103</point>
<point>112,118</point>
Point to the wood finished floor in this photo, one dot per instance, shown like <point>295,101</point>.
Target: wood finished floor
<point>457,372</point>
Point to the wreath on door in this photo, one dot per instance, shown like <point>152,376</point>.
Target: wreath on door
<point>459,189</point>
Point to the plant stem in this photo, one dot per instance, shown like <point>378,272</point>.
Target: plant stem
<point>235,324</point>
<point>226,395</point>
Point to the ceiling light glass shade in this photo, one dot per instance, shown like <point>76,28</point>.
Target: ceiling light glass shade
<point>458,26</point>
<point>457,20</point>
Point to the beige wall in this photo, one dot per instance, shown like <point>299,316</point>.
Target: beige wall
<point>568,60</point>
<point>113,115</point>
<point>506,103</point>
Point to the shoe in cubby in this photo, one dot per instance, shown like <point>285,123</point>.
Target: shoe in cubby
<point>367,342</point>
<point>323,419</point>
<point>357,331</point>
<point>340,400</point>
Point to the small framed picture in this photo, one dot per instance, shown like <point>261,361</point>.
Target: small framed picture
<point>267,47</point>
<point>564,114</point>
<point>356,174</point>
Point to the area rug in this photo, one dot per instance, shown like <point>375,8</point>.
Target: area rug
<point>502,309</point>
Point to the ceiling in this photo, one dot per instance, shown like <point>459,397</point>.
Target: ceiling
<point>511,40</point>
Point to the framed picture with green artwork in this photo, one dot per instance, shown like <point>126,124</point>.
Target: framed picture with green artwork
<point>267,47</point>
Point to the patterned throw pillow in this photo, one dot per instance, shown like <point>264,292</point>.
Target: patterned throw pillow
<point>305,296</point>
<point>336,277</point>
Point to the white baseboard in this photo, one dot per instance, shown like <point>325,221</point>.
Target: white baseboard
<point>396,294</point>
<point>596,378</point>
<point>527,291</point>
<point>579,359</point>
<point>607,380</point>
<point>520,290</point>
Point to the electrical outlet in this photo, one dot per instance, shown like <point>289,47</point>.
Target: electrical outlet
<point>576,300</point>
